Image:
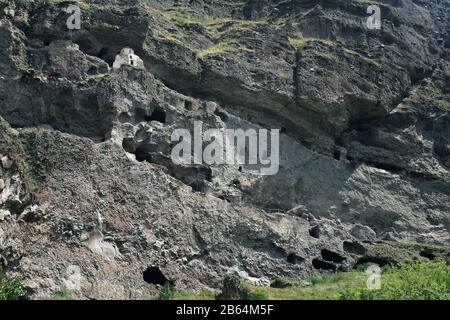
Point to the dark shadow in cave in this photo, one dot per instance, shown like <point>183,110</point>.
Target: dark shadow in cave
<point>158,115</point>
<point>153,275</point>
<point>294,259</point>
<point>107,55</point>
<point>323,265</point>
<point>332,256</point>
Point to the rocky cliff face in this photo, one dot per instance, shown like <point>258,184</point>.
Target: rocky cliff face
<point>90,199</point>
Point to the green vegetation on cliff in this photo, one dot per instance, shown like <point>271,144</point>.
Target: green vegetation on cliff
<point>10,289</point>
<point>408,281</point>
<point>414,280</point>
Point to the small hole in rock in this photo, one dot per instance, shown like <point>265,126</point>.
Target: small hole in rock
<point>426,253</point>
<point>222,115</point>
<point>337,154</point>
<point>198,186</point>
<point>153,275</point>
<point>323,265</point>
<point>381,261</point>
<point>236,182</point>
<point>315,232</point>
<point>143,154</point>
<point>139,115</point>
<point>354,247</point>
<point>224,198</point>
<point>106,55</point>
<point>124,117</point>
<point>188,105</point>
<point>332,256</point>
<point>128,145</point>
<point>92,71</point>
<point>158,115</point>
<point>294,259</point>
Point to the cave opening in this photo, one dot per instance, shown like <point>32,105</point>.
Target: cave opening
<point>380,261</point>
<point>140,115</point>
<point>159,115</point>
<point>106,55</point>
<point>221,114</point>
<point>188,104</point>
<point>153,275</point>
<point>426,253</point>
<point>354,247</point>
<point>128,145</point>
<point>315,232</point>
<point>331,256</point>
<point>337,154</point>
<point>124,117</point>
<point>294,259</point>
<point>323,265</point>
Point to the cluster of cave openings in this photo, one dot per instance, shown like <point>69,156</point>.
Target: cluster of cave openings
<point>141,115</point>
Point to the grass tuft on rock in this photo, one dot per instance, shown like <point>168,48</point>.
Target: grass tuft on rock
<point>10,288</point>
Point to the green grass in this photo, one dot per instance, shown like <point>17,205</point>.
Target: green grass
<point>10,288</point>
<point>224,33</point>
<point>63,294</point>
<point>185,17</point>
<point>436,94</point>
<point>202,295</point>
<point>418,280</point>
<point>21,151</point>
<point>368,60</point>
<point>408,281</point>
<point>443,104</point>
<point>169,293</point>
<point>171,38</point>
<point>324,287</point>
<point>327,56</point>
<point>220,48</point>
<point>301,42</point>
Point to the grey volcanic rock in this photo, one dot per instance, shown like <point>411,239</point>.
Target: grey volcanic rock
<point>91,201</point>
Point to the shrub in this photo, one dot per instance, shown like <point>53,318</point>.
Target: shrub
<point>63,294</point>
<point>10,289</point>
<point>167,293</point>
<point>258,296</point>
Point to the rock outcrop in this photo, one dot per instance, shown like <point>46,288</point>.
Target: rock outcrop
<point>86,179</point>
